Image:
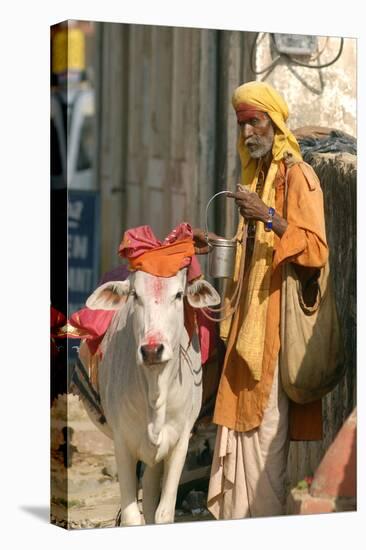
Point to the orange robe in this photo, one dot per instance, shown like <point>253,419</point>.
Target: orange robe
<point>241,400</point>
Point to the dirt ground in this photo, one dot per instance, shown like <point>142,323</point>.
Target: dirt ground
<point>85,494</point>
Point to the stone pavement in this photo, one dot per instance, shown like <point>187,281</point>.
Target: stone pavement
<point>86,493</point>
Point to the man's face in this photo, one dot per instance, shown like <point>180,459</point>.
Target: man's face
<point>258,133</point>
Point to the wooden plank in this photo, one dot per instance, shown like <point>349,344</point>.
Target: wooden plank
<point>232,72</point>
<point>112,124</point>
<point>207,127</point>
<point>161,91</point>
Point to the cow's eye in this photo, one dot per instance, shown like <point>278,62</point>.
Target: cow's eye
<point>179,295</point>
<point>134,294</point>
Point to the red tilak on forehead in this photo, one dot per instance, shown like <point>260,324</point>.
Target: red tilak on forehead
<point>155,287</point>
<point>158,287</point>
<point>245,112</point>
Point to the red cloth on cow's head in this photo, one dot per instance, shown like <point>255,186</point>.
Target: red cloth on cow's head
<point>160,258</point>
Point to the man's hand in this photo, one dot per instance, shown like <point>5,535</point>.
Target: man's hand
<point>200,242</point>
<point>250,204</point>
<point>253,208</point>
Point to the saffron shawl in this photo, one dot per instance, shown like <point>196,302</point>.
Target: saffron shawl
<point>250,336</point>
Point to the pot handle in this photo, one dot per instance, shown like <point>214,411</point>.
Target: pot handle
<point>207,206</point>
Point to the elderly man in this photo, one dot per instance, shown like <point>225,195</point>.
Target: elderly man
<point>255,418</point>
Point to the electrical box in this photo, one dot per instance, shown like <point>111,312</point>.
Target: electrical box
<point>295,44</point>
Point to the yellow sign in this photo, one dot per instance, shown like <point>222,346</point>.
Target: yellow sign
<point>68,51</point>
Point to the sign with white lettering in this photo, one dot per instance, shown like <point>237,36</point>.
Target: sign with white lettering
<point>83,246</point>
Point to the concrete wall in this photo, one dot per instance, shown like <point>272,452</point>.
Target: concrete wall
<point>325,97</point>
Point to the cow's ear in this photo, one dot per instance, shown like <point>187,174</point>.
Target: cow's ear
<point>111,295</point>
<point>201,294</point>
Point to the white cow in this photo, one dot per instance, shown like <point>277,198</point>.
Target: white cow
<point>150,382</point>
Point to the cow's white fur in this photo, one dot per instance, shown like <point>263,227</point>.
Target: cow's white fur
<point>150,408</point>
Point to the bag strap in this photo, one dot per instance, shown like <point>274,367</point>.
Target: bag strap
<point>285,195</point>
<point>289,161</point>
<point>308,171</point>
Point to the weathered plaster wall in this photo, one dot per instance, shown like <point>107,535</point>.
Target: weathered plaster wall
<point>325,97</point>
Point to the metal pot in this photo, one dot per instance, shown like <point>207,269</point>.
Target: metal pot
<point>222,257</point>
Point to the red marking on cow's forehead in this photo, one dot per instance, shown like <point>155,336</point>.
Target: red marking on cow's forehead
<point>155,287</point>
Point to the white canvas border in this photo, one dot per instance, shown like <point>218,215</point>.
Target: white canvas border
<point>25,272</point>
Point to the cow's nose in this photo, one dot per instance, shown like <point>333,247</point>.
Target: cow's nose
<point>152,353</point>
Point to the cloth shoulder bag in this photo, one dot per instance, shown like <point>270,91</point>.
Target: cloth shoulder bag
<point>312,351</point>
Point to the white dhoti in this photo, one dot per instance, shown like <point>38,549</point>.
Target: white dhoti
<point>248,474</point>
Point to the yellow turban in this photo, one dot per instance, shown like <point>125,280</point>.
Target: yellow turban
<point>263,97</point>
<point>254,301</point>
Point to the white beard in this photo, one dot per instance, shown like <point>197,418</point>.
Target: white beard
<point>263,145</point>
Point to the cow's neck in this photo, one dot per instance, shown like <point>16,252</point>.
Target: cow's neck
<point>160,382</point>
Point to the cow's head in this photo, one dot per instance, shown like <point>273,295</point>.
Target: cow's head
<point>158,314</point>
